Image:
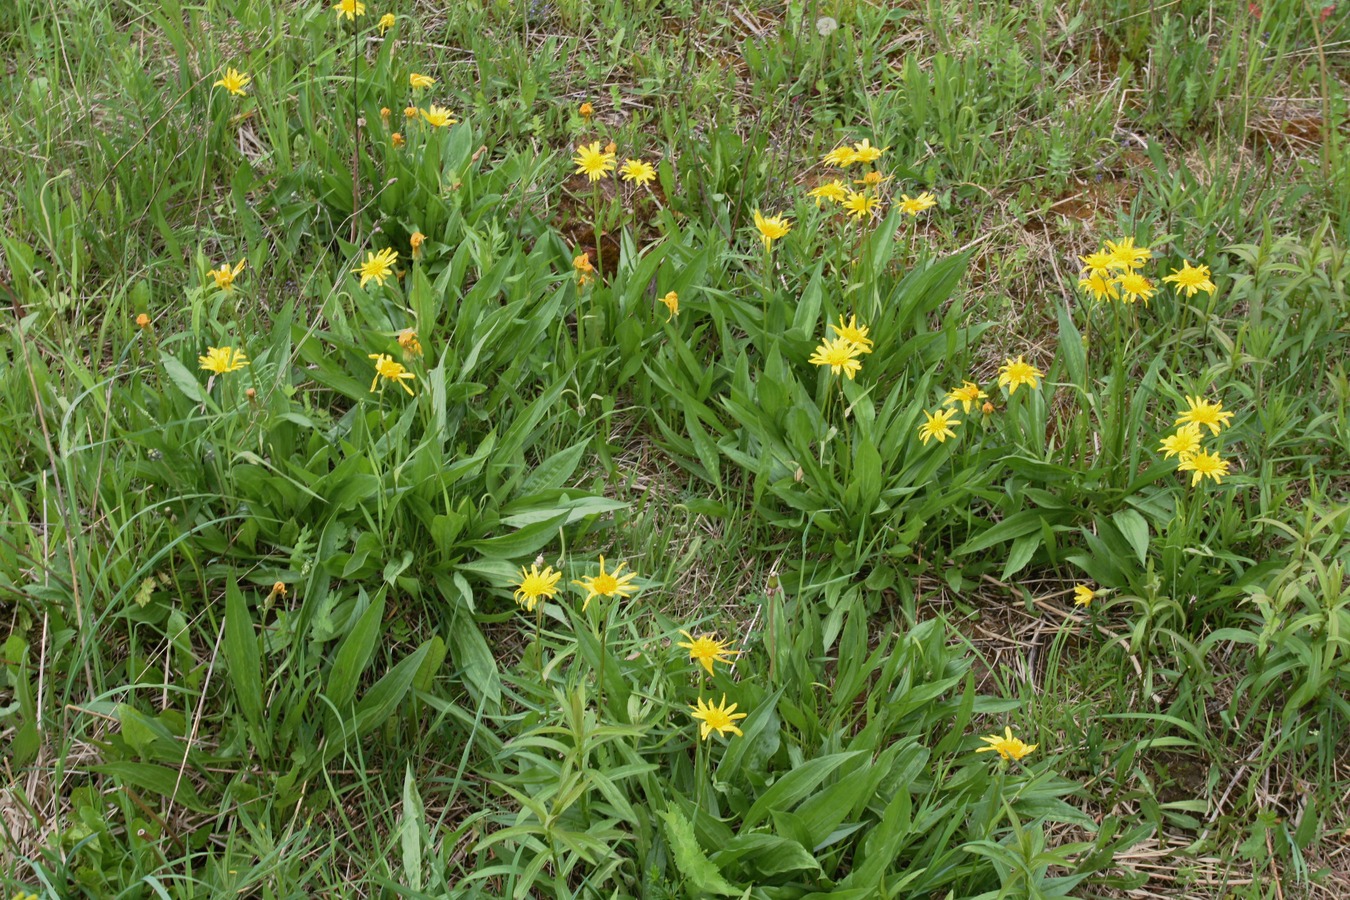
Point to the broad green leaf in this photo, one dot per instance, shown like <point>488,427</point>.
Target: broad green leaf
<point>690,859</point>
<point>243,658</point>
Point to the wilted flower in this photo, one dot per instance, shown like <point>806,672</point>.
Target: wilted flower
<point>966,395</point>
<point>407,339</point>
<point>415,240</point>
<point>672,302</point>
<point>1083,594</point>
<point>386,22</point>
<point>584,268</point>
<point>410,112</point>
<point>586,110</point>
<point>225,276</point>
<point>385,113</point>
<point>143,321</point>
<point>417,80</point>
<point>397,140</point>
<point>842,157</point>
<point>389,370</point>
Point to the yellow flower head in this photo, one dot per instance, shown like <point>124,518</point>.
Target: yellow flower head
<point>222,359</point>
<point>720,718</point>
<point>349,8</point>
<point>939,425</point>
<point>407,339</point>
<point>771,228</point>
<point>417,81</point>
<point>1134,286</point>
<point>1016,372</point>
<point>389,370</point>
<point>438,116</point>
<point>639,171</point>
<point>1099,287</point>
<point>225,276</point>
<point>842,157</point>
<point>1190,279</point>
<point>397,140</point>
<point>1202,412</point>
<point>535,584</point>
<point>1182,444</point>
<point>1204,464</point>
<point>1006,745</point>
<point>866,153</point>
<point>852,331</point>
<point>833,190</point>
<point>1083,594</point>
<point>378,266</point>
<point>415,241</point>
<point>672,302</point>
<point>912,206</point>
<point>607,584</point>
<point>1126,256</point>
<point>233,81</point>
<point>1096,264</point>
<point>967,394</point>
<point>387,21</point>
<point>860,206</point>
<point>706,649</point>
<point>583,266</point>
<point>586,110</point>
<point>871,179</point>
<point>278,589</point>
<point>410,112</point>
<point>593,162</point>
<point>840,354</point>
<point>143,321</point>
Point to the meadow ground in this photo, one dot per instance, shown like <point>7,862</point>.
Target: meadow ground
<point>402,484</point>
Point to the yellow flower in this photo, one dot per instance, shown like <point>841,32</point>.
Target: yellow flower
<point>1013,373</point>
<point>607,584</point>
<point>143,321</point>
<point>639,171</point>
<point>586,110</point>
<point>1182,444</point>
<point>389,370</point>
<point>1203,464</point>
<point>416,240</point>
<point>1191,279</point>
<point>840,355</point>
<point>234,81</point>
<point>584,268</point>
<point>1006,745</point>
<point>1134,286</point>
<point>1100,288</point>
<point>278,589</point>
<point>720,718</point>
<point>593,162</point>
<point>1097,264</point>
<point>349,8</point>
<point>871,179</point>
<point>397,140</point>
<point>706,649</point>
<point>865,152</point>
<point>407,339</point>
<point>852,331</point>
<point>222,359</point>
<point>1082,595</point>
<point>939,425</point>
<point>966,395</point>
<point>912,206</point>
<point>771,228</point>
<point>410,112</point>
<point>225,276</point>
<point>843,157</point>
<point>417,81</point>
<point>1126,256</point>
<point>672,302</point>
<point>438,116</point>
<point>1202,412</point>
<point>860,205</point>
<point>378,266</point>
<point>834,190</point>
<point>387,21</point>
<point>535,584</point>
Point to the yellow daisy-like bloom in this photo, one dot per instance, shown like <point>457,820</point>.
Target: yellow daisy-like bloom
<point>852,331</point>
<point>607,584</point>
<point>1006,745</point>
<point>1126,256</point>
<point>840,354</point>
<point>938,426</point>
<point>706,649</point>
<point>834,190</point>
<point>349,8</point>
<point>535,584</point>
<point>1204,464</point>
<point>1097,265</point>
<point>407,339</point>
<point>415,241</point>
<point>1201,412</point>
<point>840,157</point>
<point>860,205</point>
<point>1082,596</point>
<point>771,228</point>
<point>871,179</point>
<point>1191,279</point>
<point>720,718</point>
<point>1134,286</point>
<point>1182,444</point>
<point>389,370</point>
<point>438,116</point>
<point>387,21</point>
<point>672,302</point>
<point>222,359</point>
<point>1100,288</point>
<point>1016,372</point>
<point>397,140</point>
<point>225,276</point>
<point>234,81</point>
<point>378,266</point>
<point>968,394</point>
<point>865,152</point>
<point>912,206</point>
<point>593,162</point>
<point>417,81</point>
<point>638,171</point>
<point>586,110</point>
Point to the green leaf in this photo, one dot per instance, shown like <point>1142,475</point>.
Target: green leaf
<point>693,863</point>
<point>1134,528</point>
<point>157,779</point>
<point>411,830</point>
<point>354,653</point>
<point>796,786</point>
<point>243,658</point>
<point>182,379</point>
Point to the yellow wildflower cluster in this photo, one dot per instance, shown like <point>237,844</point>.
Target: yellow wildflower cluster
<point>1112,272</point>
<point>595,162</point>
<point>841,352</point>
<point>1012,374</point>
<point>860,204</point>
<point>1184,443</point>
